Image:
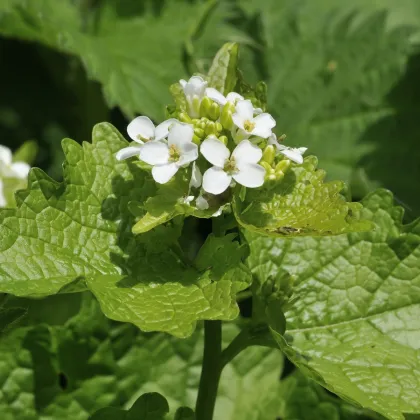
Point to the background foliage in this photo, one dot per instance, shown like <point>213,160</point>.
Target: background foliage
<point>343,80</point>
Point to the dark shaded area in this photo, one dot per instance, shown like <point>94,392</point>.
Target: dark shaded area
<point>288,369</point>
<point>62,381</point>
<point>395,160</point>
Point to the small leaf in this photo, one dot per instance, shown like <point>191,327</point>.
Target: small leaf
<point>222,73</point>
<point>300,205</point>
<point>151,406</point>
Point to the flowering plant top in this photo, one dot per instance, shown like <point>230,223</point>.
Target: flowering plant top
<point>217,144</point>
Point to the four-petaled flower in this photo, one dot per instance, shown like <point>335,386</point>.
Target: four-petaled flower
<point>142,130</point>
<point>166,159</point>
<point>242,166</point>
<point>260,125</point>
<point>10,169</point>
<point>195,91</point>
<point>217,97</point>
<point>294,154</point>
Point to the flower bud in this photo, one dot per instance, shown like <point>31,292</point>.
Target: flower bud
<point>184,117</point>
<point>226,115</point>
<point>214,111</point>
<point>199,132</point>
<point>196,140</point>
<point>224,140</point>
<point>219,127</point>
<point>269,154</point>
<point>205,106</point>
<point>210,128</point>
<point>283,165</point>
<point>269,171</point>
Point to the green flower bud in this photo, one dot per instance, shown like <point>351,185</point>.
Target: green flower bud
<point>279,175</point>
<point>226,116</point>
<point>270,174</point>
<point>219,127</point>
<point>269,154</point>
<point>196,140</point>
<point>199,132</point>
<point>184,117</point>
<point>214,111</point>
<point>205,107</point>
<point>224,140</point>
<point>210,128</point>
<point>283,165</point>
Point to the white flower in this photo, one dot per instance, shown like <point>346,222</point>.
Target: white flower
<point>142,130</point>
<point>196,177</point>
<point>222,100</point>
<point>187,200</point>
<point>201,203</point>
<point>244,119</point>
<point>242,166</point>
<point>294,154</point>
<point>168,158</point>
<point>195,91</point>
<point>10,169</point>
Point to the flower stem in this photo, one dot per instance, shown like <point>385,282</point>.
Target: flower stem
<point>211,370</point>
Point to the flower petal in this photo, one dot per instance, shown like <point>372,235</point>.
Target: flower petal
<point>234,97</point>
<point>195,86</point>
<point>20,169</point>
<point>216,180</point>
<point>214,151</point>
<point>143,127</point>
<point>245,109</point>
<point>154,153</point>
<point>5,155</point>
<point>246,152</point>
<point>250,175</point>
<point>162,130</point>
<point>216,96</point>
<point>128,152</point>
<point>180,134</point>
<point>189,153</point>
<point>196,177</point>
<point>292,154</point>
<point>201,203</point>
<point>183,83</point>
<point>264,123</point>
<point>163,173</point>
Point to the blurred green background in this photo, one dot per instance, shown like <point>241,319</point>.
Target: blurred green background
<point>343,77</point>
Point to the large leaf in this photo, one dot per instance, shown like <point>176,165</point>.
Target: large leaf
<point>302,204</point>
<point>354,324</point>
<point>80,231</point>
<point>118,51</point>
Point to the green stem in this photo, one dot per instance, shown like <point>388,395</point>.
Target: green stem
<point>212,368</point>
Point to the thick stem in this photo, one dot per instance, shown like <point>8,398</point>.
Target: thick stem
<point>211,370</point>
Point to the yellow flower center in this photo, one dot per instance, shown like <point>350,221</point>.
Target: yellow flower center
<point>143,139</point>
<point>174,154</point>
<point>230,166</point>
<point>249,126</point>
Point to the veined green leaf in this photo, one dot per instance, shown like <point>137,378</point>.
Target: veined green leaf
<point>354,324</point>
<point>300,205</point>
<point>80,230</point>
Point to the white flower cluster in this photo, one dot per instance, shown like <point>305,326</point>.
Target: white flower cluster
<point>172,144</point>
<point>10,169</point>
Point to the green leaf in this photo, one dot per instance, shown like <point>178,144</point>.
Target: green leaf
<point>150,406</point>
<point>10,317</point>
<point>304,399</point>
<point>222,73</point>
<point>134,75</point>
<point>317,52</point>
<point>184,413</point>
<point>80,231</point>
<point>302,204</point>
<point>354,324</point>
